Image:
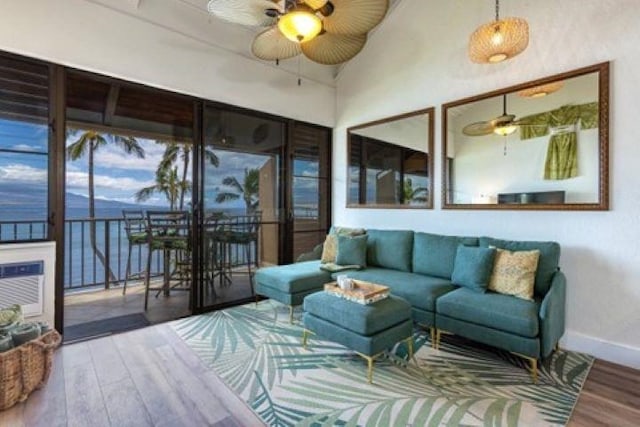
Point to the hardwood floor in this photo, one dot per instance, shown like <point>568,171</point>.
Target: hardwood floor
<point>150,377</point>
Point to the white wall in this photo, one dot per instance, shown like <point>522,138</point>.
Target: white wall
<point>179,56</point>
<point>418,59</point>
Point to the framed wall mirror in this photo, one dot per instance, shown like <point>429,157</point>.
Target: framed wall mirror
<point>541,145</point>
<point>390,162</point>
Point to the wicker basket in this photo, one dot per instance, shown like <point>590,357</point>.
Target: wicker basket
<point>26,368</point>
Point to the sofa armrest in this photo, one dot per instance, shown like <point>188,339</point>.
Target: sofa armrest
<point>314,255</point>
<point>552,314</point>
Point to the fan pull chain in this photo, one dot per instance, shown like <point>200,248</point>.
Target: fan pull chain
<point>505,145</point>
<point>299,76</point>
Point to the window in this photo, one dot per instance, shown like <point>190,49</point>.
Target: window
<point>24,150</point>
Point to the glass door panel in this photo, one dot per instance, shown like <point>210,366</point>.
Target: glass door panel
<point>242,199</point>
<point>310,187</point>
<point>128,204</point>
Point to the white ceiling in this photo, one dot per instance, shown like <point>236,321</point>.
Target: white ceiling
<point>190,18</point>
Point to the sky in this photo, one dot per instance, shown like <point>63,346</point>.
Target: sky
<point>118,176</point>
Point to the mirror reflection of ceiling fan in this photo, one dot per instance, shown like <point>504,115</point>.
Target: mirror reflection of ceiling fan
<point>329,32</point>
<point>503,125</point>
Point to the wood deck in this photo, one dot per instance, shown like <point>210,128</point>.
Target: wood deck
<point>150,377</point>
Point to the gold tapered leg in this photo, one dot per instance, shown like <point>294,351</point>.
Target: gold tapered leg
<point>557,347</point>
<point>438,336</point>
<point>533,366</point>
<point>410,345</point>
<point>291,315</point>
<point>370,369</point>
<point>534,370</point>
<point>304,338</point>
<point>433,337</point>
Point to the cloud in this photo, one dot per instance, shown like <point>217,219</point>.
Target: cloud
<point>22,173</point>
<point>81,180</point>
<point>24,147</point>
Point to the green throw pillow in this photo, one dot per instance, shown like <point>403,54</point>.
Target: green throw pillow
<point>11,315</point>
<point>473,267</point>
<point>352,250</point>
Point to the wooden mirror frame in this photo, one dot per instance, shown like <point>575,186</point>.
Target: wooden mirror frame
<point>430,112</point>
<point>603,136</point>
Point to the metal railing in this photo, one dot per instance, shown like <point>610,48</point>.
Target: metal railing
<point>82,265</point>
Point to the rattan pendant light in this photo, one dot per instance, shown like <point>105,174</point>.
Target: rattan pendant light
<point>498,40</point>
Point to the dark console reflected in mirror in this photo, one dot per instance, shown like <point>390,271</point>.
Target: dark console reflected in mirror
<point>539,145</point>
<point>391,162</point>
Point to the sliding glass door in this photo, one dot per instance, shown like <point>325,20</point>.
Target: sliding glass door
<point>129,185</point>
<point>242,202</point>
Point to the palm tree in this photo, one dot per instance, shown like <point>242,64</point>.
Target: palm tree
<point>417,195</point>
<point>88,143</point>
<point>248,190</point>
<point>168,184</point>
<point>175,152</point>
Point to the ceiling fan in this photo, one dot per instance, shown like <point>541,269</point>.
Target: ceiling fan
<point>503,125</point>
<point>328,32</point>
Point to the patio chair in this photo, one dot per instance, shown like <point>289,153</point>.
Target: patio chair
<point>237,231</point>
<point>169,232</point>
<point>135,227</point>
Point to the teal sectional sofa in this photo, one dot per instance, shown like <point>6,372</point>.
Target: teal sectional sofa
<point>418,267</point>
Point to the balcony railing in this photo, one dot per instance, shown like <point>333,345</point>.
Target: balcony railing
<point>83,269</point>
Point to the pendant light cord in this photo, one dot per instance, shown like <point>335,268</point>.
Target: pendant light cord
<point>497,10</point>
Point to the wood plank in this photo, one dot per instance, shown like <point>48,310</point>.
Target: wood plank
<point>242,414</point>
<point>47,407</point>
<point>593,410</point>
<point>13,416</point>
<point>107,362</point>
<point>85,404</point>
<point>162,402</point>
<point>124,404</point>
<point>188,383</point>
<point>616,383</point>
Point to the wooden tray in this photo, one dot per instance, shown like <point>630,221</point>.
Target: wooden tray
<point>362,292</point>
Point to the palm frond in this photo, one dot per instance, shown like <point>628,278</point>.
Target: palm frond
<point>226,197</point>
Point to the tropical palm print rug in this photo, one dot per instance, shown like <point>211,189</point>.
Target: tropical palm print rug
<point>259,355</point>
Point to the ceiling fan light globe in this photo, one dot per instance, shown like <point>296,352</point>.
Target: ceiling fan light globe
<point>300,25</point>
<point>505,130</point>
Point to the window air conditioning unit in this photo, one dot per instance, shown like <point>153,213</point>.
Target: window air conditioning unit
<point>23,284</point>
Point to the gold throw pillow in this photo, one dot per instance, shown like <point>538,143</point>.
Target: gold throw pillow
<point>329,249</point>
<point>514,273</point>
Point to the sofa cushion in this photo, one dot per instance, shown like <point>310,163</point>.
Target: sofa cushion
<point>497,311</point>
<point>547,264</point>
<point>420,291</point>
<point>435,255</point>
<point>362,319</point>
<point>330,247</point>
<point>473,267</point>
<point>352,250</point>
<point>390,249</point>
<point>293,278</point>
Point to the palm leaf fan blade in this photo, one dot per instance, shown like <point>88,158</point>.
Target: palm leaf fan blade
<point>355,16</point>
<point>478,129</point>
<point>244,12</point>
<point>333,49</point>
<point>272,45</point>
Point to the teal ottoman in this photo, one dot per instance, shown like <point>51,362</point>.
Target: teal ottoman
<point>289,284</point>
<point>369,330</point>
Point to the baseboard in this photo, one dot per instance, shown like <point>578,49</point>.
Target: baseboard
<point>605,350</point>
